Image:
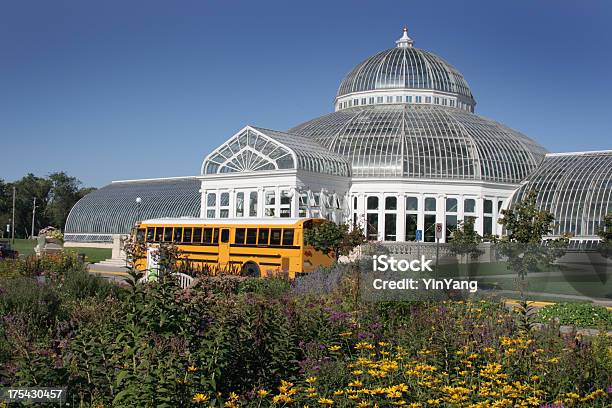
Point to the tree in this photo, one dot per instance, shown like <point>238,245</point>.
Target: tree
<point>605,233</point>
<point>523,245</point>
<point>465,239</point>
<point>334,239</point>
<point>55,195</point>
<point>63,195</point>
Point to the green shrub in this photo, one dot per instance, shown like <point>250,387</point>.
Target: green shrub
<point>37,302</point>
<point>577,314</point>
<point>79,284</point>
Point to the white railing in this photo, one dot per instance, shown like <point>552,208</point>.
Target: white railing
<point>185,281</point>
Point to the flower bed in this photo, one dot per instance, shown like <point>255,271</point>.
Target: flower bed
<point>256,343</point>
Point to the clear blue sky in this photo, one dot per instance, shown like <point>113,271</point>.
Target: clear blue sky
<point>108,90</point>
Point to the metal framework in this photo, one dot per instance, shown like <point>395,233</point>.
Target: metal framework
<point>404,67</point>
<point>425,141</point>
<point>576,188</point>
<point>113,208</point>
<point>259,149</point>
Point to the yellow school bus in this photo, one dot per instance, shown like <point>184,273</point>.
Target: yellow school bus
<point>251,247</point>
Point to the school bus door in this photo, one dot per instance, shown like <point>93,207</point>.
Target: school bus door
<point>224,248</point>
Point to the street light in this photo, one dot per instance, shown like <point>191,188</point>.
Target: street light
<point>138,201</point>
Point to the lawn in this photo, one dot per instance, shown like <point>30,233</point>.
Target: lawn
<point>93,255</point>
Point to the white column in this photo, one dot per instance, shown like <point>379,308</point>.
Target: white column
<point>232,203</point>
<point>441,214</point>
<point>361,215</point>
<point>479,216</point>
<point>401,218</point>
<point>495,215</point>
<point>421,216</point>
<point>295,202</point>
<point>260,202</point>
<point>203,202</point>
<point>381,217</point>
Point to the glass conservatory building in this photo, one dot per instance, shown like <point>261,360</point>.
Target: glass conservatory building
<point>402,151</point>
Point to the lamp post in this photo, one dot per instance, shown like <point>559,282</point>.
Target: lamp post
<point>138,201</point>
<point>33,217</point>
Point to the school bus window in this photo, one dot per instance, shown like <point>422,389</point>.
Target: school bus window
<point>140,235</point>
<point>275,236</point>
<point>178,234</point>
<point>225,235</point>
<point>167,234</point>
<point>216,236</point>
<point>159,234</point>
<point>150,234</point>
<point>197,235</point>
<point>187,235</point>
<point>264,233</point>
<point>288,236</point>
<point>251,237</point>
<point>207,235</point>
<point>240,235</point>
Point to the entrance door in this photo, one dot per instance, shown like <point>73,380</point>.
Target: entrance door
<point>224,247</point>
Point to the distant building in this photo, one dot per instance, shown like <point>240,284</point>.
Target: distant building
<point>402,151</point>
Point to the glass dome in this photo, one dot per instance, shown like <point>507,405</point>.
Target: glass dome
<point>425,141</point>
<point>576,188</point>
<point>113,209</point>
<point>405,68</point>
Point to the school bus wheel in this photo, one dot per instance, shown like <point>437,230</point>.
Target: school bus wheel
<point>250,269</point>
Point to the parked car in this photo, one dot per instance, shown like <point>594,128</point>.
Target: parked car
<point>6,252</point>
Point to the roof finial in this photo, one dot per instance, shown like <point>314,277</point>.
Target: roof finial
<point>405,41</point>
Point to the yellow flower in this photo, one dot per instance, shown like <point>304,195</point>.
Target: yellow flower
<point>262,393</point>
<point>311,380</point>
<point>233,397</point>
<point>199,398</point>
<point>346,334</point>
<point>338,393</point>
<point>192,369</point>
<point>355,383</point>
<point>334,348</point>
<point>282,398</point>
<point>363,345</point>
<point>326,401</point>
<point>357,372</point>
<point>363,404</point>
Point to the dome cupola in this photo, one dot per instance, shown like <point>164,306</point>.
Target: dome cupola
<point>404,74</point>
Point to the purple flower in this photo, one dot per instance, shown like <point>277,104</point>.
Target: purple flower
<point>553,405</point>
<point>610,389</point>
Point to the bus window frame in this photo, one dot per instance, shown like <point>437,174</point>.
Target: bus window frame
<point>152,237</point>
<point>266,232</point>
<point>248,230</point>
<point>280,236</point>
<point>225,235</point>
<point>141,234</point>
<point>180,236</point>
<point>193,240</point>
<point>289,231</point>
<point>215,236</point>
<point>240,232</point>
<point>165,237</point>
<point>207,235</point>
<point>185,229</point>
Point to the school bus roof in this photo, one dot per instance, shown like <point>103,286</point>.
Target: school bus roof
<point>222,221</point>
